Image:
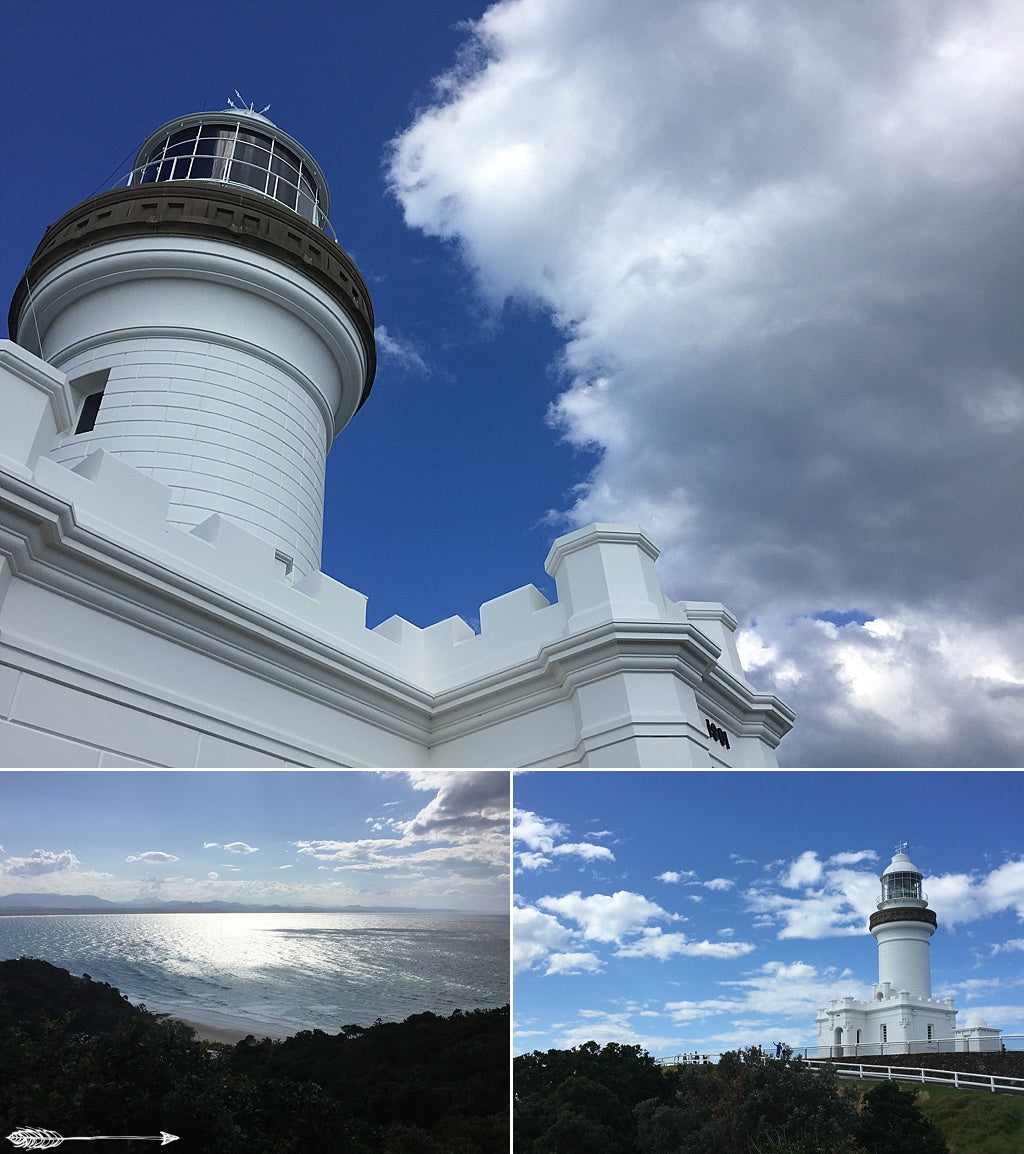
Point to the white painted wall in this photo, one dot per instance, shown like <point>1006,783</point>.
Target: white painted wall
<point>128,637</point>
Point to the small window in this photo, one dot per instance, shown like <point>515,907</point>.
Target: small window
<point>87,417</point>
<point>90,389</point>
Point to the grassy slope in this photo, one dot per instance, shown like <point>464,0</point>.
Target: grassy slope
<point>972,1122</point>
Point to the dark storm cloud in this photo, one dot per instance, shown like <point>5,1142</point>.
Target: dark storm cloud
<point>783,242</point>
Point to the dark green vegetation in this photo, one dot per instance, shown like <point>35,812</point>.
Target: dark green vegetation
<point>617,1100</point>
<point>75,1057</point>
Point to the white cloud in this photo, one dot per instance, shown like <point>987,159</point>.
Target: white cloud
<point>853,858</point>
<point>805,871</point>
<point>239,847</point>
<point>962,898</point>
<point>460,833</point>
<point>794,990</point>
<point>836,900</point>
<point>534,831</point>
<point>574,963</point>
<point>38,863</point>
<point>542,837</point>
<point>466,803</point>
<point>401,353</point>
<point>774,239</point>
<point>654,944</point>
<point>605,917</point>
<point>535,935</point>
<point>153,857</point>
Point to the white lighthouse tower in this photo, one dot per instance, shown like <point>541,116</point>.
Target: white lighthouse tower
<point>902,926</point>
<point>213,335</point>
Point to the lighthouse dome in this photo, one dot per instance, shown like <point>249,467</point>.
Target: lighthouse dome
<point>901,864</point>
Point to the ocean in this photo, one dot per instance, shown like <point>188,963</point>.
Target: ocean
<point>276,974</point>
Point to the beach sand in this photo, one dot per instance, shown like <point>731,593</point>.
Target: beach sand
<point>207,1033</point>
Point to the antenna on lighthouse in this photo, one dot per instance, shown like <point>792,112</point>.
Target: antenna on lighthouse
<point>246,107</point>
<point>903,847</point>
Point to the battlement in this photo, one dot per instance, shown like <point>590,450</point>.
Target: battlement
<point>105,523</point>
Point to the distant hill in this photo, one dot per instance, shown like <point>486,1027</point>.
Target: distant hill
<point>87,903</point>
<point>49,901</point>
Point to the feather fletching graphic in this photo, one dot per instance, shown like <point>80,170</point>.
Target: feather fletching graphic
<point>34,1139</point>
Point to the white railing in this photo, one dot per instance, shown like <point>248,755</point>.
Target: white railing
<point>993,1083</point>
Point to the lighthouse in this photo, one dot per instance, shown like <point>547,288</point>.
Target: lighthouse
<point>902,1016</point>
<point>186,348</point>
<point>214,336</point>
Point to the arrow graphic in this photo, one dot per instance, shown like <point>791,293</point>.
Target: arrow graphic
<point>32,1138</point>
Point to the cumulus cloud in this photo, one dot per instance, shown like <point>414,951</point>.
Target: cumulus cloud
<point>805,871</point>
<point>543,841</point>
<point>535,936</point>
<point>605,917</point>
<point>779,243</point>
<point>960,898</point>
<point>575,963</point>
<point>40,862</point>
<point>239,847</point>
<point>465,803</point>
<point>836,900</point>
<point>653,943</point>
<point>153,857</point>
<point>462,831</point>
<point>794,990</point>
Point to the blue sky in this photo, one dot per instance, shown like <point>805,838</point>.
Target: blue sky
<point>424,839</point>
<point>705,911</point>
<point>745,275</point>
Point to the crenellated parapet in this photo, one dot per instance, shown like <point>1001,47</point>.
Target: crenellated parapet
<point>111,609</point>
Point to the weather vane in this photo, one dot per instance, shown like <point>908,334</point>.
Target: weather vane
<point>245,107</point>
<point>903,847</point>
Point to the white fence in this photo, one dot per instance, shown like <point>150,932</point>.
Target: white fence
<point>957,1078</point>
